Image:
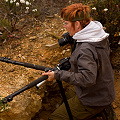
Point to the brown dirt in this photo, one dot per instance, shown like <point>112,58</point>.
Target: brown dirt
<point>31,48</point>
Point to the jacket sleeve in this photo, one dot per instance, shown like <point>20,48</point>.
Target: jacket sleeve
<point>86,70</point>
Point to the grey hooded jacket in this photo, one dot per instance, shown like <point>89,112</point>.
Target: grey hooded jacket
<point>91,73</point>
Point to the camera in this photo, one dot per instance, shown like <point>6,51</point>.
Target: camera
<point>66,39</point>
<point>64,64</point>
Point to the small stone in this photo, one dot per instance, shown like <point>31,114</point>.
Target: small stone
<point>0,33</point>
<point>32,38</point>
<point>114,106</point>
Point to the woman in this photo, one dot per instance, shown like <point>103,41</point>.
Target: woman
<point>91,72</point>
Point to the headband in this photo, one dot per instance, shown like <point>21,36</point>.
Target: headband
<point>77,17</point>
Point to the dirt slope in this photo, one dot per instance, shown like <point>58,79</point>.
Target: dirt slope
<point>34,46</point>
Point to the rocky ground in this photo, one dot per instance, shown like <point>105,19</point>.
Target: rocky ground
<point>37,45</point>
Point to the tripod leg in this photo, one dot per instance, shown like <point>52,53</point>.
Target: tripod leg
<point>65,99</point>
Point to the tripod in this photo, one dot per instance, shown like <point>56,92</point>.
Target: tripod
<point>64,65</point>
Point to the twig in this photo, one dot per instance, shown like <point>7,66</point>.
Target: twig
<point>11,33</point>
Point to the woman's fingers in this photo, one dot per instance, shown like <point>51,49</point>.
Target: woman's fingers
<point>50,75</point>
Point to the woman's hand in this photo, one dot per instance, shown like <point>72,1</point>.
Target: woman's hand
<point>50,75</point>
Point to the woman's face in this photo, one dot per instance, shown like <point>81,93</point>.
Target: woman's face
<point>68,26</point>
<point>71,30</point>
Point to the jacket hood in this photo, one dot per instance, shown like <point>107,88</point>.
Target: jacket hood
<point>93,32</point>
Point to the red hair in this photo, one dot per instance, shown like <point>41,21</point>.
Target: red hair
<point>70,12</point>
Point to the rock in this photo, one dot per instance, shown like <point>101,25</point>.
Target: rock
<point>24,105</point>
<point>119,42</point>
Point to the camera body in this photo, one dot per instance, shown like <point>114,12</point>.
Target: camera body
<point>66,39</point>
<point>64,64</point>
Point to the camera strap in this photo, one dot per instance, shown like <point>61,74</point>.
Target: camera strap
<point>73,46</point>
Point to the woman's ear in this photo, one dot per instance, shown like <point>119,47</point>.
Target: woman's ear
<point>77,26</point>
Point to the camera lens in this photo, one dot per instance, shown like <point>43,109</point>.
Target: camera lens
<point>62,41</point>
<point>65,40</point>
